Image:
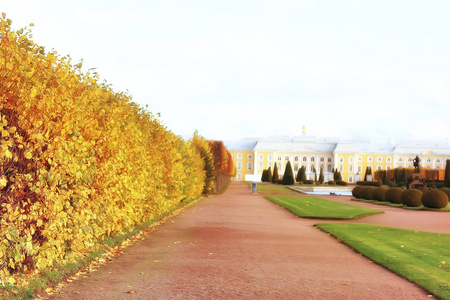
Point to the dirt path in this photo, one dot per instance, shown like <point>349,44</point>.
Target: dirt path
<point>240,246</point>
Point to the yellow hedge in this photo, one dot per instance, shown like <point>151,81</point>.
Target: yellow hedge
<point>78,161</point>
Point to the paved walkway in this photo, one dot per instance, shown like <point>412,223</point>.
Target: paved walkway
<point>241,246</point>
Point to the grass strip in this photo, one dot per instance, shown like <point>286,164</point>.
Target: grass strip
<point>50,278</point>
<point>445,209</point>
<point>317,208</point>
<point>419,256</point>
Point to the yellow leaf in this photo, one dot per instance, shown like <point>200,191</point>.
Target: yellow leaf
<point>11,280</point>
<point>28,155</point>
<point>3,181</point>
<point>3,15</point>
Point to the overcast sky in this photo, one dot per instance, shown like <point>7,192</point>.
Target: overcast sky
<point>355,69</point>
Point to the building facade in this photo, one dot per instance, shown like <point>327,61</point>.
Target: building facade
<point>253,156</point>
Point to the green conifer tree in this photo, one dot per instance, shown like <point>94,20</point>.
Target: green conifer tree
<point>269,175</point>
<point>321,177</point>
<point>447,173</point>
<point>264,176</point>
<point>288,177</point>
<point>275,173</point>
<point>303,176</point>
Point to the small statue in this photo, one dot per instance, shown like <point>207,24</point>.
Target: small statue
<point>416,164</point>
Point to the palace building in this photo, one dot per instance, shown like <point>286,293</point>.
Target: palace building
<point>252,155</point>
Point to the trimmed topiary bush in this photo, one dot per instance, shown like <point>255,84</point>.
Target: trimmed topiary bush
<point>393,195</point>
<point>341,182</point>
<point>435,199</point>
<point>356,192</point>
<point>379,193</point>
<point>412,197</point>
<point>367,192</point>
<point>447,191</point>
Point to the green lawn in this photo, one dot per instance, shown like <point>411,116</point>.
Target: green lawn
<point>312,207</point>
<point>446,209</point>
<point>419,256</point>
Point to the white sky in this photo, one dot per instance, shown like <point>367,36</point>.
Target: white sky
<point>357,69</point>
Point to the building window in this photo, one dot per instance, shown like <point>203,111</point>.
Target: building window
<point>438,160</point>
<point>400,159</point>
<point>379,159</point>
<point>286,158</point>
<point>239,156</point>
<point>341,168</point>
<point>410,159</point>
<point>369,159</point>
<point>341,159</point>
<point>321,167</point>
<point>304,158</point>
<point>312,168</point>
<point>249,166</point>
<point>261,157</point>
<point>269,157</point>
<point>295,168</point>
<point>239,165</point>
<point>322,159</point>
<point>279,157</point>
<point>350,168</point>
<point>239,176</point>
<point>313,159</point>
<point>350,179</point>
<point>438,167</point>
<point>350,159</point>
<point>388,167</point>
<point>269,165</point>
<point>379,167</point>
<point>329,159</point>
<point>296,158</point>
<point>359,158</point>
<point>260,166</point>
<point>388,159</point>
<point>428,160</point>
<point>329,168</point>
<point>359,168</point>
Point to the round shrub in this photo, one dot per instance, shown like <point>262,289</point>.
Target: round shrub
<point>435,199</point>
<point>412,197</point>
<point>356,192</point>
<point>379,193</point>
<point>447,191</point>
<point>367,192</point>
<point>393,195</point>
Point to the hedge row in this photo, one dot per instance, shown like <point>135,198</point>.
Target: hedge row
<point>433,198</point>
<point>78,161</point>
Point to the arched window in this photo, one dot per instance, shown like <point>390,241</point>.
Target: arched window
<point>329,168</point>
<point>359,158</point>
<point>350,178</point>
<point>296,158</point>
<point>312,168</point>
<point>388,159</point>
<point>250,156</point>
<point>295,168</point>
<point>269,157</point>
<point>279,157</point>
<point>438,160</point>
<point>286,158</point>
<point>304,158</point>
<point>239,165</point>
<point>369,159</point>
<point>261,157</point>
<point>341,159</point>
<point>329,159</point>
<point>400,159</point>
<point>239,156</point>
<point>428,160</point>
<point>312,158</point>
<point>350,168</point>
<point>379,159</point>
<point>350,159</point>
<point>322,159</point>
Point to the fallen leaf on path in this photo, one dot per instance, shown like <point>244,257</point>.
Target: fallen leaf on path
<point>132,292</point>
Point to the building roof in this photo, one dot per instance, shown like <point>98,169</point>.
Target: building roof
<point>313,144</point>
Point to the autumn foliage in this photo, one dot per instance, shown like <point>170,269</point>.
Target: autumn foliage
<point>78,161</point>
